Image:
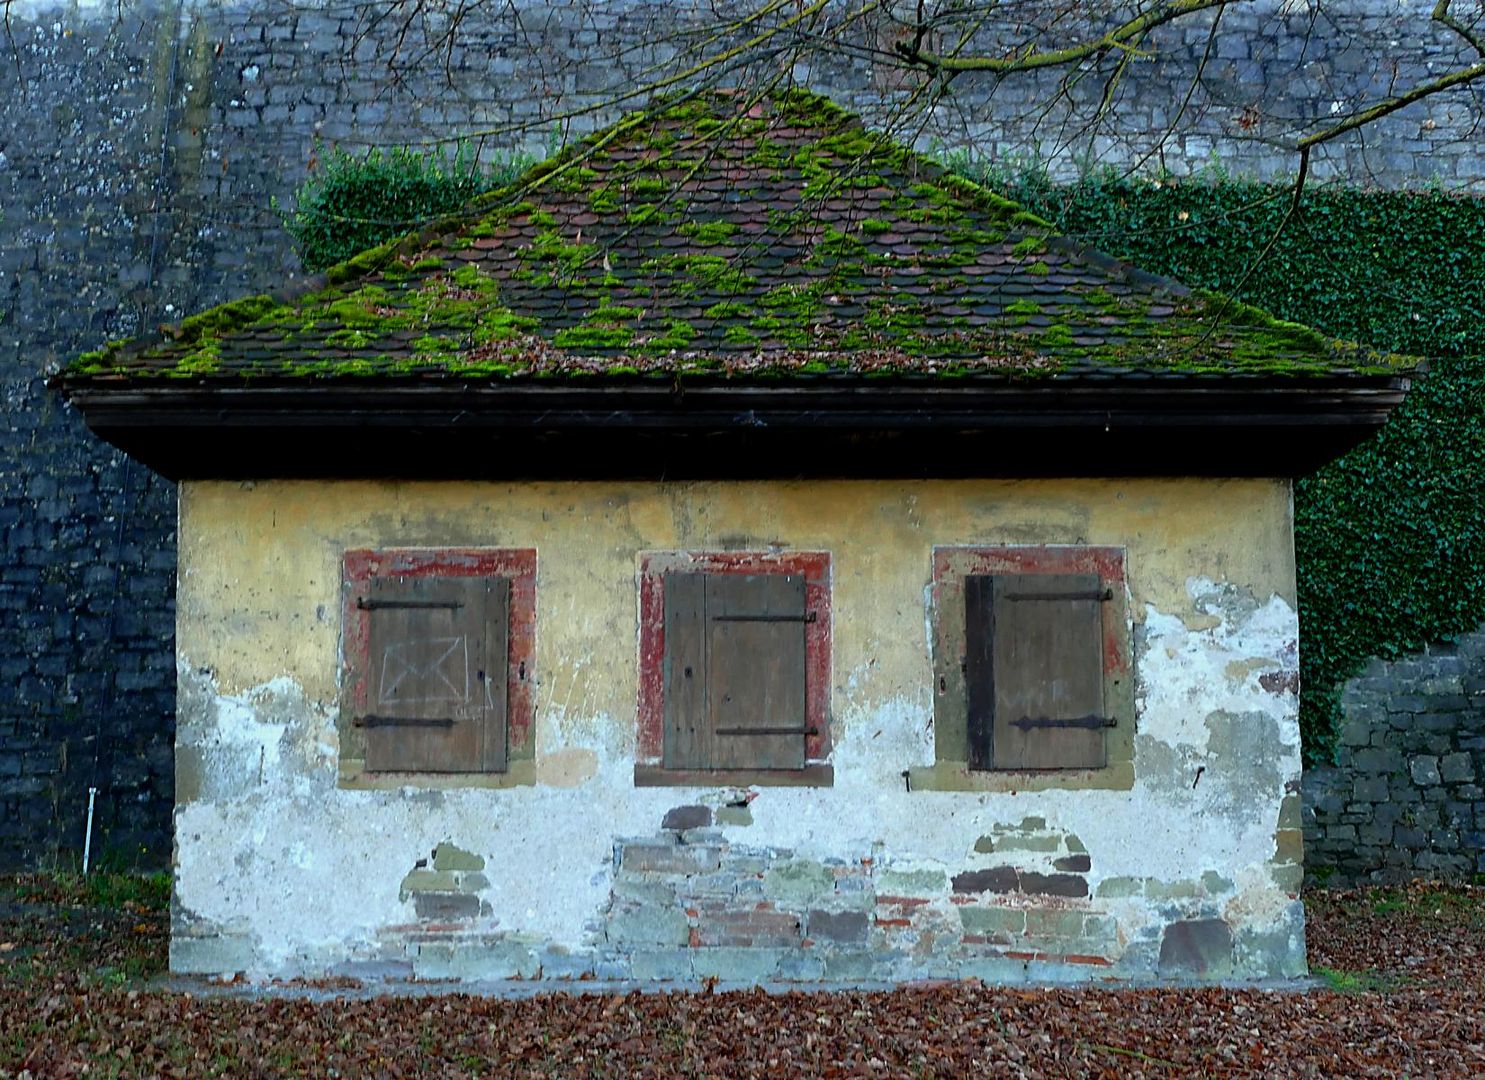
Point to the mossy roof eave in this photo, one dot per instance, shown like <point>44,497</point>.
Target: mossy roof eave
<point>1050,381</point>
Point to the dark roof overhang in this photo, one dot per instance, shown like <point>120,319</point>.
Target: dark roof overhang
<point>840,426</point>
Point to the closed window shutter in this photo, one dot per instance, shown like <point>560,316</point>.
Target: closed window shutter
<point>688,743</point>
<point>436,674</point>
<point>1034,671</point>
<point>735,671</point>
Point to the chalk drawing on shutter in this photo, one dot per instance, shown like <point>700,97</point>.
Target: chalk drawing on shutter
<point>425,670</point>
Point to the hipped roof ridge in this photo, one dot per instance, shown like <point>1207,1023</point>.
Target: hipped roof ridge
<point>860,255</point>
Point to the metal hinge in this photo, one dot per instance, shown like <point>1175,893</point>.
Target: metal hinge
<point>1026,723</point>
<point>372,605</point>
<point>402,721</point>
<point>767,731</point>
<point>807,617</point>
<point>1096,594</point>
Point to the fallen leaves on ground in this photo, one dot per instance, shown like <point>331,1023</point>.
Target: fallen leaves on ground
<point>1405,964</point>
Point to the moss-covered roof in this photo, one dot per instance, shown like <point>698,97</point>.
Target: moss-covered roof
<point>738,239</point>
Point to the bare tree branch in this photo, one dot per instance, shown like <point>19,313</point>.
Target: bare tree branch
<point>1441,15</point>
<point>1462,77</point>
<point>1032,58</point>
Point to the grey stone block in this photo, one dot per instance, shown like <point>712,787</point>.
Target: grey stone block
<point>681,818</point>
<point>649,926</point>
<point>854,966</point>
<point>1424,770</point>
<point>801,966</point>
<point>1408,837</point>
<point>838,926</point>
<point>739,964</point>
<point>661,965</point>
<point>1456,768</point>
<point>444,906</point>
<point>217,954</point>
<point>798,883</point>
<point>1373,760</point>
<point>1053,884</point>
<point>912,882</point>
<point>659,857</point>
<point>993,879</point>
<point>1197,947</point>
<point>478,960</point>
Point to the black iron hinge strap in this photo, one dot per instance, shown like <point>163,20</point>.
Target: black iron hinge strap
<point>1097,594</point>
<point>372,605</point>
<point>1026,723</point>
<point>403,721</point>
<point>767,731</point>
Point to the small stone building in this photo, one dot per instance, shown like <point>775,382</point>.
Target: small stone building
<point>738,549</point>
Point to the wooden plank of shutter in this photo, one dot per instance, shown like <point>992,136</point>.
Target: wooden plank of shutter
<point>1046,659</point>
<point>687,739</point>
<point>979,669</point>
<point>755,670</point>
<point>436,677</point>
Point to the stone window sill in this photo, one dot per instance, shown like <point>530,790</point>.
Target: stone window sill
<point>354,777</point>
<point>958,776</point>
<point>817,775</point>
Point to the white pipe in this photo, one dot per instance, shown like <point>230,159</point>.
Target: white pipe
<point>88,837</point>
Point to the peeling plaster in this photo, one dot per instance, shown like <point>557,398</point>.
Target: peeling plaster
<point>1191,666</point>
<point>311,875</point>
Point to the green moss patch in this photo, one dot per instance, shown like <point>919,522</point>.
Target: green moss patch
<point>628,252</point>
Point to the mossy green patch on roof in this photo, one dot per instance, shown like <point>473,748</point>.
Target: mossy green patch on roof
<point>733,238</point>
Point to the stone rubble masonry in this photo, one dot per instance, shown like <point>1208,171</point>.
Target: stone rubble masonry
<point>1406,796</point>
<point>744,913</point>
<point>138,178</point>
<point>448,890</point>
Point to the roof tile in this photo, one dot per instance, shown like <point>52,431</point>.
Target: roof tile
<point>700,238</point>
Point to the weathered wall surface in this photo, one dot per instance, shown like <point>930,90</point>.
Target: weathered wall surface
<point>142,144</point>
<point>1191,872</point>
<point>1406,797</point>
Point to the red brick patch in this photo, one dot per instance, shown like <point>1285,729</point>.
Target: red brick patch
<point>750,928</point>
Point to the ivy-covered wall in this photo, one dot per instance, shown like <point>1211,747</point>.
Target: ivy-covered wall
<point>1390,539</point>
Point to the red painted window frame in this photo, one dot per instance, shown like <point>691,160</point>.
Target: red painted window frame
<point>814,566</point>
<point>516,564</point>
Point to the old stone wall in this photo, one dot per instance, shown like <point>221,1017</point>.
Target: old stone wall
<point>87,684</point>
<point>142,146</point>
<point>1406,797</point>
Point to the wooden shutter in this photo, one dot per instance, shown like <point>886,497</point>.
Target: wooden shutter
<point>436,674</point>
<point>1034,671</point>
<point>687,740</point>
<point>735,671</point>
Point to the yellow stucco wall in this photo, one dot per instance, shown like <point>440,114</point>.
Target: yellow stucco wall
<point>259,584</point>
<point>283,868</point>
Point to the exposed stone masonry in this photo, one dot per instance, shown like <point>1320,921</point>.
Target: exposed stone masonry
<point>1406,797</point>
<point>691,902</point>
